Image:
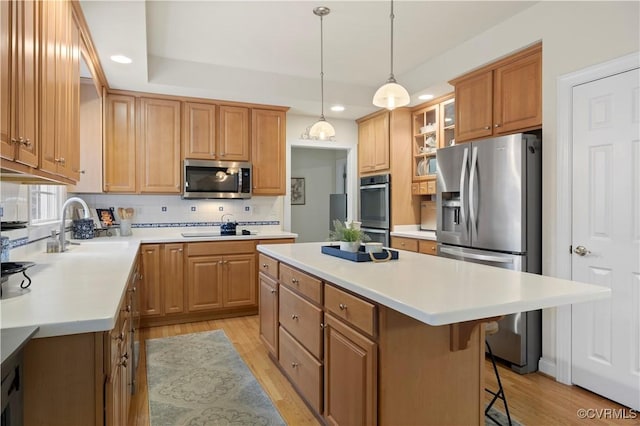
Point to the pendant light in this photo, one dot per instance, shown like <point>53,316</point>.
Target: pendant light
<point>391,95</point>
<point>321,129</point>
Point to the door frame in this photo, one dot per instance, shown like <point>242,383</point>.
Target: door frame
<point>564,153</point>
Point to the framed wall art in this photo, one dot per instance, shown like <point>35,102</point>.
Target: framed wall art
<point>297,191</point>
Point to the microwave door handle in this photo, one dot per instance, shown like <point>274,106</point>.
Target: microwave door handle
<point>463,198</point>
<point>472,182</point>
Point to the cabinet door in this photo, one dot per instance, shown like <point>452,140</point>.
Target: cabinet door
<point>233,135</point>
<point>381,145</point>
<point>113,409</point>
<point>7,148</point>
<point>518,94</point>
<point>173,278</point>
<point>119,143</point>
<point>239,280</point>
<point>350,378</point>
<point>269,313</point>
<point>474,107</point>
<point>71,168</point>
<point>150,295</point>
<point>268,130</point>
<point>204,283</point>
<point>199,131</point>
<point>159,146</point>
<point>366,151</point>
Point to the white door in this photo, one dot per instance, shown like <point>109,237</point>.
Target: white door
<point>606,223</point>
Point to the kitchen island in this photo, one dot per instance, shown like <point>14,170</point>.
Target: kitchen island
<point>407,332</point>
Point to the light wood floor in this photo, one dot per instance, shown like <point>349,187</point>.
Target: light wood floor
<point>534,399</point>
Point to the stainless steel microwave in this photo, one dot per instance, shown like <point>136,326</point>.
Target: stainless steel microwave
<point>216,179</point>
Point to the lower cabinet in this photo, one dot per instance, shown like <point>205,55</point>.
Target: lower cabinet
<point>269,313</point>
<point>414,244</point>
<point>350,373</point>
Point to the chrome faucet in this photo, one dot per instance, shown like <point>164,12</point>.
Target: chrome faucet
<point>64,214</point>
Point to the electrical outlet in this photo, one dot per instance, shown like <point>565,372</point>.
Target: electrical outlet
<point>220,208</point>
<point>193,208</point>
<point>163,208</point>
<point>248,209</point>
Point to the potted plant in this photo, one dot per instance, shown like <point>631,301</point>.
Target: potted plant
<point>349,236</point>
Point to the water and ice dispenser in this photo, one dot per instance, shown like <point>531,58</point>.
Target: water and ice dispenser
<point>451,212</point>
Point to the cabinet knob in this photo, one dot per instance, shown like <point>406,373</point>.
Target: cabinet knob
<point>294,281</point>
<point>273,290</point>
<point>14,140</point>
<point>497,125</point>
<point>294,365</point>
<point>487,127</point>
<point>222,154</point>
<point>25,142</point>
<point>127,309</point>
<point>342,306</point>
<point>264,265</point>
<point>180,250</point>
<point>323,326</point>
<point>294,316</point>
<point>60,160</point>
<point>219,262</point>
<point>402,244</point>
<point>119,337</point>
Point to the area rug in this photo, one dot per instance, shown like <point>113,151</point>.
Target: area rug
<point>501,418</point>
<point>199,379</point>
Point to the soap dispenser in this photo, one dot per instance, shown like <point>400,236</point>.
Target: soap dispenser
<point>53,245</point>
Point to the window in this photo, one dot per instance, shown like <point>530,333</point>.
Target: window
<point>46,201</point>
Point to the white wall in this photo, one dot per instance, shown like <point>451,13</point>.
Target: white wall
<point>575,35</point>
<point>318,167</point>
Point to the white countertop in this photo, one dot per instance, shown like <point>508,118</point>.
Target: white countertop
<point>79,291</point>
<point>435,290</point>
<point>420,235</point>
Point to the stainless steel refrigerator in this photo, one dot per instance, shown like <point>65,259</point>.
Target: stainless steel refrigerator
<point>489,211</point>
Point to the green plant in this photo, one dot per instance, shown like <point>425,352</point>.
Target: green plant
<point>347,233</point>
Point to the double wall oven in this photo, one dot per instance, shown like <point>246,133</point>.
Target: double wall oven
<point>375,207</point>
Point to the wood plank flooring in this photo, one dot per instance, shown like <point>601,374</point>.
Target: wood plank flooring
<point>534,399</point>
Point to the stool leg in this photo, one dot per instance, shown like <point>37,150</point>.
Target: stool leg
<point>496,395</point>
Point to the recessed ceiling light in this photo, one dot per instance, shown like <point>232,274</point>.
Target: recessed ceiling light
<point>425,97</point>
<point>337,108</point>
<point>121,59</point>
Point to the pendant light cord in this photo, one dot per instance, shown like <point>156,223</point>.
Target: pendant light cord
<point>391,77</point>
<point>321,69</point>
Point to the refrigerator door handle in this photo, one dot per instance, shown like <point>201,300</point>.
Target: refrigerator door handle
<point>472,178</point>
<point>484,257</point>
<point>463,199</point>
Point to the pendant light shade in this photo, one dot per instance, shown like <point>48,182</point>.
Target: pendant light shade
<point>391,95</point>
<point>321,129</point>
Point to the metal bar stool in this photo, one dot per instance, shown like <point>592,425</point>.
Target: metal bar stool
<point>492,328</point>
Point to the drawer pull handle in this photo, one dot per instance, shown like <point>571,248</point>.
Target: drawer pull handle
<point>342,306</point>
<point>294,365</point>
<point>294,281</point>
<point>119,337</point>
<point>294,317</point>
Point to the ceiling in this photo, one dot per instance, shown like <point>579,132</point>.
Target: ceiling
<point>269,51</point>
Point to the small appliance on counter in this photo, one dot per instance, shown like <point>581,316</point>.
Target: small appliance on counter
<point>228,227</point>
<point>428,216</point>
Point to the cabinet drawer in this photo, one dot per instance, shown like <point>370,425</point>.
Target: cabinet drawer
<point>427,247</point>
<point>302,320</point>
<point>268,265</point>
<point>221,247</point>
<point>304,284</point>
<point>302,369</point>
<point>352,309</point>
<point>403,243</point>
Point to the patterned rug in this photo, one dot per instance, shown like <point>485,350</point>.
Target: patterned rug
<point>199,379</point>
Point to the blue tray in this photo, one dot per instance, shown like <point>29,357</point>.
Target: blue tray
<point>361,255</point>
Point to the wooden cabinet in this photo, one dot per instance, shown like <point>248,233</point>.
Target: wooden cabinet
<point>19,46</point>
<point>424,188</point>
<point>233,133</point>
<point>150,291</point>
<point>501,98</point>
<point>373,143</point>
<point>213,132</point>
<point>269,313</point>
<point>350,375</point>
<point>239,284</point>
<point>159,161</point>
<point>268,155</point>
<point>414,244</point>
<point>204,283</point>
<point>60,91</point>
<point>119,143</point>
<point>172,278</point>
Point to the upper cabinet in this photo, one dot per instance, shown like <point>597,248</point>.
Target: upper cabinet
<point>268,132</point>
<point>159,162</point>
<point>501,98</point>
<point>119,143</point>
<point>373,143</point>
<point>19,29</point>
<point>40,82</point>
<point>215,132</point>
